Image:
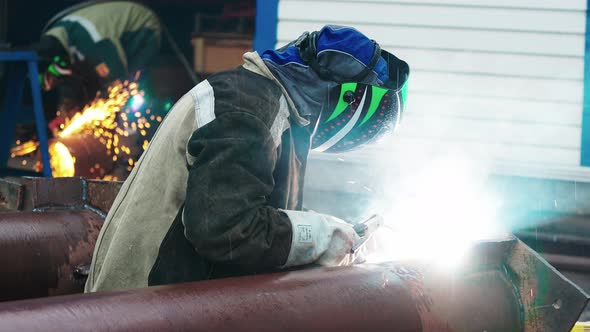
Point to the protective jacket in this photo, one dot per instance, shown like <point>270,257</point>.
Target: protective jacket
<point>214,192</point>
<point>108,39</point>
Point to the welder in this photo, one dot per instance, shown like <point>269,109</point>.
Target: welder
<point>86,47</point>
<point>218,192</point>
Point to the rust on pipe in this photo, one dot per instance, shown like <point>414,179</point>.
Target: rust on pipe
<point>504,287</point>
<point>40,252</point>
<point>384,297</point>
<point>41,194</point>
<point>372,298</point>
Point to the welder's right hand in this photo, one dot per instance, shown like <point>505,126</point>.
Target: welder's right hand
<point>319,238</point>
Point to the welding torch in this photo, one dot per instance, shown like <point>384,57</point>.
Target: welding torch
<point>365,229</point>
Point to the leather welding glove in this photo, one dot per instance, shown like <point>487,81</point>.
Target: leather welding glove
<point>319,238</point>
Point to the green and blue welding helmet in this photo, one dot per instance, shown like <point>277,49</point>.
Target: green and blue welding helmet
<point>355,90</point>
<point>54,63</point>
<point>358,113</point>
<point>55,72</point>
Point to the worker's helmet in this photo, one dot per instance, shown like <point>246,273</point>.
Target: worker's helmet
<point>357,114</point>
<point>56,71</point>
<point>53,61</point>
<point>370,96</point>
<point>343,82</point>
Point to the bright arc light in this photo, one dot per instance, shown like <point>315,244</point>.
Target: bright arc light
<point>437,214</point>
<point>137,101</point>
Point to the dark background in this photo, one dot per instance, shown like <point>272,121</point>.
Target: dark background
<point>21,22</point>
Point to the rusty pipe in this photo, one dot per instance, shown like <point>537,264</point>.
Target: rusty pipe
<point>505,287</point>
<point>368,298</point>
<point>385,297</point>
<point>39,252</point>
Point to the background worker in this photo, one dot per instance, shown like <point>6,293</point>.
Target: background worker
<point>219,190</point>
<point>86,47</point>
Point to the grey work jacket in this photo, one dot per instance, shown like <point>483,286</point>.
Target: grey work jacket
<point>203,200</point>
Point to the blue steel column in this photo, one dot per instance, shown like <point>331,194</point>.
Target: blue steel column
<point>265,32</point>
<point>16,74</point>
<point>39,117</point>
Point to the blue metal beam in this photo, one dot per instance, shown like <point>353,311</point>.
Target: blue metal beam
<point>265,33</point>
<point>12,104</point>
<point>17,56</point>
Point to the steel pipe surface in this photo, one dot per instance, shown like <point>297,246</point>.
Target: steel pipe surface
<point>354,299</point>
<point>40,252</point>
<point>384,297</point>
<point>502,286</point>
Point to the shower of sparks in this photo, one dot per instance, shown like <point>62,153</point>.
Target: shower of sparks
<point>111,120</point>
<point>99,117</point>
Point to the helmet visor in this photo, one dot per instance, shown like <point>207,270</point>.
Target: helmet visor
<point>357,114</point>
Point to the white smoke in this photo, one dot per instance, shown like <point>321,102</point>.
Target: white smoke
<point>436,204</point>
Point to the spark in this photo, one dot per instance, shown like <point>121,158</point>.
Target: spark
<point>61,160</point>
<point>104,118</point>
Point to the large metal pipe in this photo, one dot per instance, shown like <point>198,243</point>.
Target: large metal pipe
<point>370,298</point>
<point>506,288</point>
<point>502,286</point>
<point>41,253</point>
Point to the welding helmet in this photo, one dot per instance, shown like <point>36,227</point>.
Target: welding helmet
<point>350,89</point>
<point>54,63</point>
<point>55,72</point>
<point>370,94</point>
